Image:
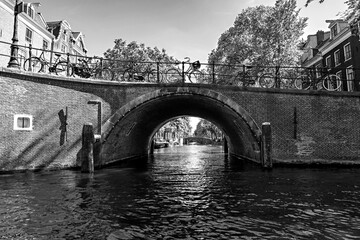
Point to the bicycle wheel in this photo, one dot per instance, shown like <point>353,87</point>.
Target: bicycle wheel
<point>266,81</point>
<point>196,76</point>
<point>239,79</point>
<point>302,82</point>
<point>151,76</point>
<point>173,76</point>
<point>127,75</point>
<point>118,76</point>
<point>33,64</point>
<point>104,74</point>
<point>331,82</point>
<point>63,69</point>
<point>287,81</point>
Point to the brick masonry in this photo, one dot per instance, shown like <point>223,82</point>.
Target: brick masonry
<point>308,127</point>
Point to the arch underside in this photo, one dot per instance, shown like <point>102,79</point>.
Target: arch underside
<point>128,133</point>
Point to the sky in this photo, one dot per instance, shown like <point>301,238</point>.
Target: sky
<point>182,27</point>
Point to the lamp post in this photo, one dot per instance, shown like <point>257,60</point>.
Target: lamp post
<point>14,63</point>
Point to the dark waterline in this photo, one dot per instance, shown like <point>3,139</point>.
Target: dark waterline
<point>190,192</point>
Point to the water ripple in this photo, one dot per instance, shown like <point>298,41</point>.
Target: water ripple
<point>194,193</point>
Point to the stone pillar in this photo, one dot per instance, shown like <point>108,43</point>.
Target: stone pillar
<point>266,146</point>
<point>152,146</point>
<point>226,147</point>
<point>87,161</point>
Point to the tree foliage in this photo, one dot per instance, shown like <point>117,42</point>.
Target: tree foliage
<point>261,35</point>
<point>179,125</point>
<point>207,129</point>
<point>124,53</point>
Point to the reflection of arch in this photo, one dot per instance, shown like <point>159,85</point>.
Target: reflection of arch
<point>128,132</point>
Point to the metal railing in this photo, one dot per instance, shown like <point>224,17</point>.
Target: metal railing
<point>283,77</point>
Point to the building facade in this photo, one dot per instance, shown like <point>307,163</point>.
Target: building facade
<point>336,52</point>
<point>34,31</point>
<point>65,40</point>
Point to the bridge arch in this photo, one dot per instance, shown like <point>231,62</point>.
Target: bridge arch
<point>128,132</point>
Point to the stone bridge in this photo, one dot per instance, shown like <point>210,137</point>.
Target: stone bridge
<point>199,140</point>
<point>307,126</point>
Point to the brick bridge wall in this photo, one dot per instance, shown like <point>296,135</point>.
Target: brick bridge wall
<point>307,126</point>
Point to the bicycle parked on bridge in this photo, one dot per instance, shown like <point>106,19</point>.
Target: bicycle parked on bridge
<point>318,79</point>
<point>85,69</point>
<point>192,73</point>
<point>141,72</point>
<point>40,64</point>
<point>253,76</point>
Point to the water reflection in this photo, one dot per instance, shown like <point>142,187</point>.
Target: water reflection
<point>189,192</point>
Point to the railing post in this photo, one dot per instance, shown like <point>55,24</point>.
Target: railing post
<point>314,81</point>
<point>158,72</point>
<point>183,72</point>
<point>68,64</point>
<point>277,77</point>
<point>266,146</point>
<point>87,161</point>
<point>101,66</point>
<point>213,72</point>
<point>30,55</point>
<point>101,62</point>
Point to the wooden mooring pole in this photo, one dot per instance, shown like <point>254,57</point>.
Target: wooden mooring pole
<point>266,146</point>
<point>88,139</point>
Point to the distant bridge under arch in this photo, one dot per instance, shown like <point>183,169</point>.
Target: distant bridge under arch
<point>198,140</point>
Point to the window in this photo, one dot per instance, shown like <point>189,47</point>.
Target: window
<point>23,122</point>
<point>334,31</point>
<point>328,62</point>
<point>350,78</point>
<point>45,44</point>
<point>64,36</point>
<point>28,35</point>
<point>337,58</point>
<point>30,12</point>
<point>63,48</point>
<point>347,51</point>
<point>28,9</point>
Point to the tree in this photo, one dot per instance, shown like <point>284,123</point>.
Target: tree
<point>309,1</point>
<point>124,54</point>
<point>207,129</point>
<point>351,14</point>
<point>180,126</point>
<point>260,36</point>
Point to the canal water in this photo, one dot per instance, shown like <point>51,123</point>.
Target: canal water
<point>188,192</point>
